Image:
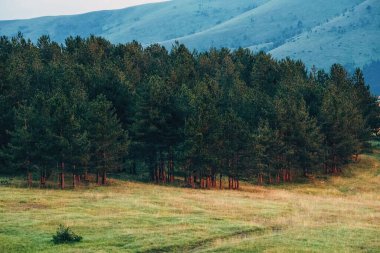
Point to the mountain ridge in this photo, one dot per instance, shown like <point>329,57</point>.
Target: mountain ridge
<point>318,33</point>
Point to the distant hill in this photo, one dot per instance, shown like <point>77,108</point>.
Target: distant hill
<point>319,32</point>
<point>351,38</point>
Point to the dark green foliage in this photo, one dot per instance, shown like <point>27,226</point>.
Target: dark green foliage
<point>97,106</point>
<point>299,134</point>
<point>267,147</point>
<point>108,140</point>
<point>65,235</point>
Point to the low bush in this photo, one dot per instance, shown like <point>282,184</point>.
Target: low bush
<point>65,235</point>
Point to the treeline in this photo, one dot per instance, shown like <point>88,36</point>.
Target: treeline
<point>89,105</point>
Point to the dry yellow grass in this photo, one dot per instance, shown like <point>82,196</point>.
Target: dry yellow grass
<point>337,214</point>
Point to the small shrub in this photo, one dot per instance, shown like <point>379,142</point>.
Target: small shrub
<point>65,235</point>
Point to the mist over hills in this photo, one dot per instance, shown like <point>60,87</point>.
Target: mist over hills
<point>318,32</point>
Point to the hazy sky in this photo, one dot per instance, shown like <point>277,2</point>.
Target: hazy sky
<point>21,9</point>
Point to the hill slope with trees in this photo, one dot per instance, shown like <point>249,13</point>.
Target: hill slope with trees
<point>92,106</point>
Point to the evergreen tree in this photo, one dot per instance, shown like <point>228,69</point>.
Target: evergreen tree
<point>342,124</point>
<point>108,140</point>
<point>300,134</point>
<point>201,127</point>
<point>267,149</point>
<point>366,103</point>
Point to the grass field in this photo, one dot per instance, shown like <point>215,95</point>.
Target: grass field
<point>338,214</point>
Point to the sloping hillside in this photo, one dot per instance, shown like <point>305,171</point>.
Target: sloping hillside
<point>351,38</point>
<point>271,24</point>
<point>343,31</point>
<point>147,23</point>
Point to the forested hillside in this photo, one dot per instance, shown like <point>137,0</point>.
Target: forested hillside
<point>316,32</point>
<point>93,106</point>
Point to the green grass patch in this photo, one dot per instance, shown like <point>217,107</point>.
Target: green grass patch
<point>329,214</point>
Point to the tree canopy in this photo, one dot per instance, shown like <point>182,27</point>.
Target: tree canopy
<point>95,105</point>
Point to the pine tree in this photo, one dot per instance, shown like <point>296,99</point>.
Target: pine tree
<point>266,152</point>
<point>232,142</point>
<point>158,122</point>
<point>341,124</point>
<point>201,127</point>
<point>108,140</point>
<point>366,103</point>
<point>300,134</point>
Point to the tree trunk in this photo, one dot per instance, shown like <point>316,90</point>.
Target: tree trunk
<point>335,165</point>
<point>74,181</point>
<point>62,180</point>
<point>134,168</point>
<point>171,169</point>
<point>104,177</point>
<point>98,177</point>
<point>157,173</point>
<point>42,179</point>
<point>85,176</point>
<point>30,180</point>
<point>161,170</point>
<point>220,181</point>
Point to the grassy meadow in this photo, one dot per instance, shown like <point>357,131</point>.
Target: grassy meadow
<point>336,214</point>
